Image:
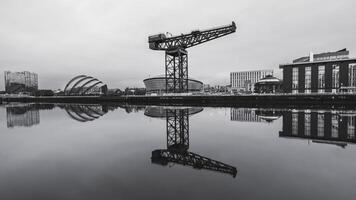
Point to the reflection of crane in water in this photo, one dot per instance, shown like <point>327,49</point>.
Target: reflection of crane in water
<point>85,112</point>
<point>177,124</point>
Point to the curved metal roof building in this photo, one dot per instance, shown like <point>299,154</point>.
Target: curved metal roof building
<point>157,85</point>
<point>85,85</point>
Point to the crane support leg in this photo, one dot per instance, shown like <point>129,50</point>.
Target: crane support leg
<point>178,129</point>
<point>176,71</point>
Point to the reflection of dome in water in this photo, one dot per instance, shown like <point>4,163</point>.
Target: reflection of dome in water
<point>85,113</point>
<point>269,118</point>
<point>160,112</point>
<point>268,115</point>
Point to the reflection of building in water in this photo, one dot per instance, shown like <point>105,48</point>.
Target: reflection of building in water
<point>132,108</point>
<point>161,111</point>
<point>177,127</point>
<point>329,127</point>
<point>22,115</point>
<point>85,112</point>
<point>253,115</point>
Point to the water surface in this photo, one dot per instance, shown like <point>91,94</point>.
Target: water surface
<point>70,151</point>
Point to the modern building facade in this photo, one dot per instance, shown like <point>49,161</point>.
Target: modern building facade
<point>245,81</point>
<point>83,85</point>
<point>326,72</point>
<point>20,82</point>
<point>157,85</point>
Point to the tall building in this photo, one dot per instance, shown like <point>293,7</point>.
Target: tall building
<point>319,73</point>
<point>245,81</point>
<point>16,82</point>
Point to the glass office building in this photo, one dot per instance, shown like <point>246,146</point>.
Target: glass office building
<point>245,81</point>
<point>20,82</point>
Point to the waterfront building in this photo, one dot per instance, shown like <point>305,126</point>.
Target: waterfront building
<point>20,82</point>
<point>268,84</point>
<point>84,85</point>
<point>157,85</point>
<point>245,81</point>
<point>319,73</point>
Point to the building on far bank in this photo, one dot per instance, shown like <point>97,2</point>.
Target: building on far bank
<point>268,84</point>
<point>20,82</point>
<point>157,85</point>
<point>325,72</point>
<point>245,81</point>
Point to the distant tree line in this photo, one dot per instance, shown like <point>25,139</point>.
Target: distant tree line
<point>135,91</point>
<point>44,93</point>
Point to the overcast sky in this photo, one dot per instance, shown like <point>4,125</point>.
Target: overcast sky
<point>59,39</point>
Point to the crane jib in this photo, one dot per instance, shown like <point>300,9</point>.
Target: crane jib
<point>176,58</point>
<point>162,42</point>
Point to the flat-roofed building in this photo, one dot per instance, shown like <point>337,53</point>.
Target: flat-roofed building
<point>245,80</point>
<point>326,72</point>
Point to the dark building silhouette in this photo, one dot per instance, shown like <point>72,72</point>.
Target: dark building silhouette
<point>319,73</point>
<point>331,127</point>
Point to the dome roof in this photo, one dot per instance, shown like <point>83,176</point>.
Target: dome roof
<point>162,76</point>
<point>269,79</point>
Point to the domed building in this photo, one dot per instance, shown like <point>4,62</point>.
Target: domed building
<point>268,84</point>
<point>157,85</point>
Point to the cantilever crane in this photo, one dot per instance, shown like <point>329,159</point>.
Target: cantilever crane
<point>176,59</point>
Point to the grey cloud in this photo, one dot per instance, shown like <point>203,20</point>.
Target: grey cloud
<point>108,39</point>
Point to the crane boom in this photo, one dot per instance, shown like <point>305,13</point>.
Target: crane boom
<point>196,37</point>
<point>176,58</point>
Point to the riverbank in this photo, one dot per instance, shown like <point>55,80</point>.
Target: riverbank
<point>280,100</point>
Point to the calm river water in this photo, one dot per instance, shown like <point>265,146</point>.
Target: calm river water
<point>124,152</point>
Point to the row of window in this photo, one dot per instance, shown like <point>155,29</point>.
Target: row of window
<point>321,77</point>
<point>239,79</point>
<point>321,125</point>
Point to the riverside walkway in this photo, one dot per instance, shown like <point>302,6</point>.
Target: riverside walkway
<point>262,100</point>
